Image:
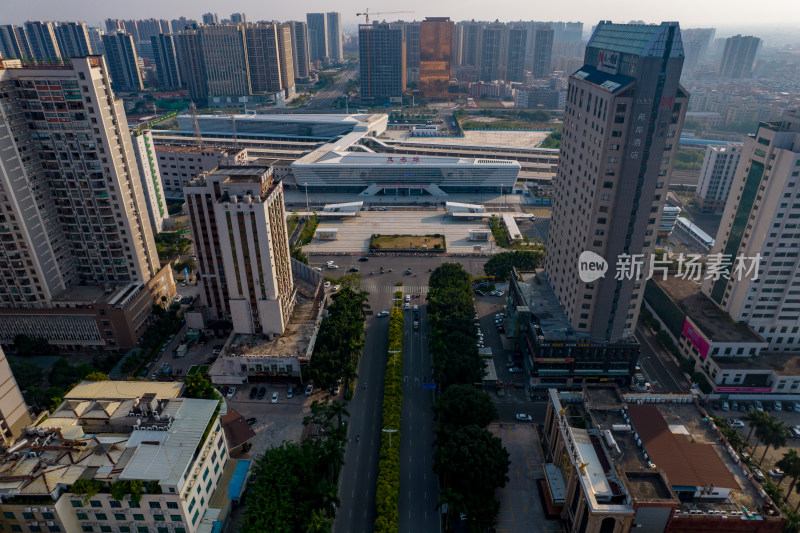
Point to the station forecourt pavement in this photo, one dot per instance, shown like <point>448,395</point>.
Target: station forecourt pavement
<point>354,233</point>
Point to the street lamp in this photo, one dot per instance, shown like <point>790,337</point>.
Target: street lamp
<point>307,210</point>
<point>501,201</point>
<point>389,431</point>
<point>394,356</point>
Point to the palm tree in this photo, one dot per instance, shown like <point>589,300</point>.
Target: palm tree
<point>790,464</point>
<point>773,434</point>
<point>792,524</point>
<point>797,490</point>
<point>319,523</point>
<point>756,419</point>
<point>338,410</point>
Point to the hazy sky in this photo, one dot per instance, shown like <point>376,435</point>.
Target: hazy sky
<point>690,13</point>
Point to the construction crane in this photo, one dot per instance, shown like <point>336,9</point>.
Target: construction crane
<point>366,15</point>
<point>198,138</point>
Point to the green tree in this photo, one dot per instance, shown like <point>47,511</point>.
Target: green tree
<point>26,373</point>
<point>790,464</point>
<point>96,376</point>
<point>755,419</point>
<point>772,434</point>
<point>472,463</point>
<point>26,346</point>
<point>198,386</point>
<point>500,265</point>
<point>464,405</point>
<point>86,488</point>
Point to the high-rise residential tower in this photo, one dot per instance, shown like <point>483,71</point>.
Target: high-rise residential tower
<point>696,42</point>
<point>317,37</point>
<point>263,57</point>
<point>382,62</point>
<point>300,53</point>
<point>192,68</point>
<point>542,51</point>
<point>96,40</point>
<point>238,18</point>
<point>716,176</point>
<point>150,177</point>
<point>239,226</point>
<point>42,40</point>
<point>761,220</point>
<point>333,21</point>
<point>738,57</point>
<point>210,18</point>
<point>286,59</point>
<point>515,53</point>
<point>225,60</point>
<point>73,39</point>
<point>166,60</point>
<point>411,35</point>
<point>14,414</point>
<point>624,112</point>
<point>493,48</point>
<point>435,56</point>
<point>14,42</point>
<point>78,265</point>
<point>123,62</point>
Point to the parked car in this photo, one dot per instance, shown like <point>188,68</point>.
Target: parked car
<point>274,397</point>
<point>757,474</point>
<point>252,421</point>
<point>262,391</point>
<point>362,259</point>
<point>327,284</point>
<point>759,405</point>
<point>795,431</point>
<point>778,406</point>
<point>480,292</point>
<point>289,393</point>
<point>515,370</point>
<point>500,293</point>
<point>382,314</point>
<point>253,393</point>
<point>714,405</point>
<point>218,349</point>
<point>734,405</point>
<point>522,417</point>
<point>336,288</point>
<point>492,293</point>
<point>309,390</point>
<point>734,423</point>
<point>776,472</point>
<point>336,390</point>
<point>231,392</point>
<point>725,405</point>
<point>796,406</point>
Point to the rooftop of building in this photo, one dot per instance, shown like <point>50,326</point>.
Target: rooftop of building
<point>636,39</point>
<point>383,160</point>
<point>611,82</point>
<point>715,324</point>
<point>656,446</point>
<point>109,294</point>
<point>123,390</point>
<point>146,438</point>
<point>185,149</point>
<point>545,308</point>
<point>781,363</point>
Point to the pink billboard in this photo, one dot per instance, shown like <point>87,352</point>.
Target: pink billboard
<point>744,389</point>
<point>695,338</point>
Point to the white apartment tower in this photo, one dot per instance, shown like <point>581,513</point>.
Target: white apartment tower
<point>72,210</point>
<point>622,122</point>
<point>150,177</point>
<point>239,227</point>
<point>762,217</point>
<point>716,176</point>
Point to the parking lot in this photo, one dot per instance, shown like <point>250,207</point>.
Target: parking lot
<point>521,506</point>
<point>789,417</point>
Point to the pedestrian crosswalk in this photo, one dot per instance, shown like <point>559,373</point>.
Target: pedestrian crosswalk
<point>390,289</point>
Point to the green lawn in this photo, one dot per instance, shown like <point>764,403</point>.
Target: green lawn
<point>407,242</point>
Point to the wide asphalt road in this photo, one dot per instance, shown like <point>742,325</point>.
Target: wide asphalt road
<point>357,484</point>
<point>659,368</point>
<point>419,486</point>
<point>325,98</point>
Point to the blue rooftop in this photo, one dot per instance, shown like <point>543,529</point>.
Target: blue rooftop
<point>238,479</point>
<point>635,39</point>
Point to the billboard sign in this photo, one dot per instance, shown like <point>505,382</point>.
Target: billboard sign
<point>608,61</point>
<point>695,338</point>
<point>744,389</point>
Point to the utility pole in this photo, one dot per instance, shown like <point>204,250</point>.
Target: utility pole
<point>307,209</point>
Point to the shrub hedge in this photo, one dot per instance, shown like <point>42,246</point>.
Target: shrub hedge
<point>388,486</point>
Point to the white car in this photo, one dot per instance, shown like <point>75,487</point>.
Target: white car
<point>514,370</point>
<point>336,288</point>
<point>416,307</point>
<point>231,392</point>
<point>734,423</point>
<point>522,417</point>
<point>274,397</point>
<point>289,393</point>
<point>382,314</point>
<point>776,472</point>
<point>493,293</point>
<point>408,297</point>
<point>407,307</point>
<point>332,267</point>
<point>327,284</point>
<point>500,293</point>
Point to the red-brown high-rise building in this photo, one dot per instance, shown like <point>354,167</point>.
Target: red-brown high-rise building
<point>435,56</point>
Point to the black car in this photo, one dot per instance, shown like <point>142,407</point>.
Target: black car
<point>262,391</point>
<point>253,392</point>
<point>252,421</point>
<point>362,259</point>
<point>353,269</point>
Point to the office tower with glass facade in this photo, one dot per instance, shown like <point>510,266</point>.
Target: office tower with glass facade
<point>317,37</point>
<point>761,220</point>
<point>335,44</point>
<point>622,123</point>
<point>123,62</point>
<point>435,56</point>
<point>542,51</point>
<point>382,58</point>
<point>166,60</point>
<point>300,53</point>
<point>412,38</point>
<point>739,56</point>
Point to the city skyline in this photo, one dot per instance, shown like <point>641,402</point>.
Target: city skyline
<point>775,13</point>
